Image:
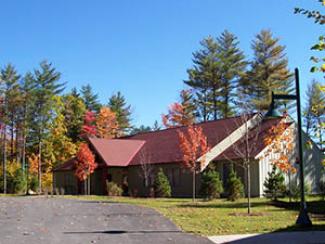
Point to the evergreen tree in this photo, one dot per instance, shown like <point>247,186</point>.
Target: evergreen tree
<point>314,112</point>
<point>274,184</point>
<point>233,65</point>
<point>235,188</point>
<point>140,129</point>
<point>47,85</point>
<point>90,98</point>
<point>74,112</point>
<point>9,84</point>
<point>156,126</point>
<point>211,186</point>
<point>204,79</point>
<point>268,71</point>
<point>122,111</point>
<point>162,185</point>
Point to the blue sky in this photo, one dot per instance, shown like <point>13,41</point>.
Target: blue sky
<point>142,48</point>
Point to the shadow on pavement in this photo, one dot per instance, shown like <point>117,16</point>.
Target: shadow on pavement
<point>118,232</point>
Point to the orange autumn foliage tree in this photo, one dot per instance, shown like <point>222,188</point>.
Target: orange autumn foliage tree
<point>33,164</point>
<point>85,164</point>
<point>106,123</point>
<point>279,140</point>
<point>193,144</point>
<point>180,114</point>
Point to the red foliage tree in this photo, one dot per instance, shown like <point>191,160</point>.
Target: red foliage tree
<point>85,164</point>
<point>89,127</point>
<point>193,144</point>
<point>180,114</point>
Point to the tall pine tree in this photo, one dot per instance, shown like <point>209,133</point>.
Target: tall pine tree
<point>204,79</point>
<point>47,85</point>
<point>90,98</point>
<point>233,64</point>
<point>268,71</point>
<point>122,111</point>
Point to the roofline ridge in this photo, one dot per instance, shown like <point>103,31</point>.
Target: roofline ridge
<point>183,126</point>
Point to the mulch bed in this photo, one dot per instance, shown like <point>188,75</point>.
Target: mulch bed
<point>253,214</point>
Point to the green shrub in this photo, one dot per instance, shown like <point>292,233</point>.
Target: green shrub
<point>274,184</point>
<point>235,188</point>
<point>33,183</point>
<point>161,185</point>
<point>113,189</point>
<point>16,182</point>
<point>295,190</point>
<point>211,186</point>
<point>19,182</point>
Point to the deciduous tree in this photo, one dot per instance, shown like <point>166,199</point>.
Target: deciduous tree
<point>85,164</point>
<point>89,128</point>
<point>180,114</point>
<point>193,145</point>
<point>106,123</point>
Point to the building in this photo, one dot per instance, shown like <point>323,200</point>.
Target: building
<point>132,161</point>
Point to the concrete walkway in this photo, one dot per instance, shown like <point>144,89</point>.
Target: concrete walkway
<point>295,237</point>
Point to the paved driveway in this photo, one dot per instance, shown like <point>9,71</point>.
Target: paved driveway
<point>57,220</point>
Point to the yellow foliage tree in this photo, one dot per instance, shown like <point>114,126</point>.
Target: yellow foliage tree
<point>106,123</point>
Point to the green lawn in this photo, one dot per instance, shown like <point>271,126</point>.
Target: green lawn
<point>223,217</point>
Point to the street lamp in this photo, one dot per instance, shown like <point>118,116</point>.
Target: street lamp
<point>303,218</point>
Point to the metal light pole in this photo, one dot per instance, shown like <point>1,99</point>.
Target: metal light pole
<point>303,218</point>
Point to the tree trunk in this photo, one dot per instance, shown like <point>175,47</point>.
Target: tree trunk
<point>289,178</point>
<point>248,170</point>
<point>40,166</point>
<point>89,185</point>
<point>248,188</point>
<point>85,187</point>
<point>215,109</point>
<point>194,181</point>
<point>4,162</point>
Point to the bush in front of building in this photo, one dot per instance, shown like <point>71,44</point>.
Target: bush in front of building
<point>235,188</point>
<point>274,184</point>
<point>113,189</point>
<point>211,186</point>
<point>161,185</point>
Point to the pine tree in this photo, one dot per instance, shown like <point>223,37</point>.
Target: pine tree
<point>274,184</point>
<point>211,186</point>
<point>204,79</point>
<point>90,98</point>
<point>140,129</point>
<point>235,188</point>
<point>268,71</point>
<point>314,112</point>
<point>74,112</point>
<point>122,111</point>
<point>47,85</point>
<point>162,185</point>
<point>233,64</point>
